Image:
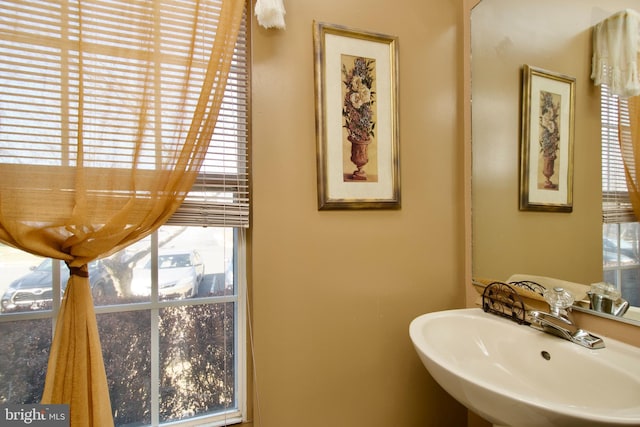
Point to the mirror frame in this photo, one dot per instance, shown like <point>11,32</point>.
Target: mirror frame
<point>467,7</point>
<point>612,327</point>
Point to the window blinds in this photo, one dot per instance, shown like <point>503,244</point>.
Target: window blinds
<point>616,206</point>
<point>220,195</point>
<point>40,80</point>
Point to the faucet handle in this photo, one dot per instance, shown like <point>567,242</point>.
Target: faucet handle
<point>558,298</point>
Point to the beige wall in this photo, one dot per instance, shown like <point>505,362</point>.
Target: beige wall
<point>333,292</point>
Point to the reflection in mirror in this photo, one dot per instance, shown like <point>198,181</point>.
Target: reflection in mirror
<point>556,36</point>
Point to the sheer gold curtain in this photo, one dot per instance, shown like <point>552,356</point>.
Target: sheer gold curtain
<point>98,180</point>
<point>629,134</point>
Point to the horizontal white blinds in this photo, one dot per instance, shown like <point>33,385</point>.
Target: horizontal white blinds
<point>220,195</point>
<point>616,206</point>
<point>41,71</point>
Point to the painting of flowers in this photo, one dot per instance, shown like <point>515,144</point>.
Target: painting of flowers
<point>549,139</point>
<point>546,148</point>
<point>356,88</point>
<point>359,115</point>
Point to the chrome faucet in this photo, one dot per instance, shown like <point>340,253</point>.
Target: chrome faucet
<point>559,321</point>
<point>606,298</point>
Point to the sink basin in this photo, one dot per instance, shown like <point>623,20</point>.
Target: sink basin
<point>515,375</point>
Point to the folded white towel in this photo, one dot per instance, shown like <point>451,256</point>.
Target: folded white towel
<point>270,13</point>
<point>616,44</point>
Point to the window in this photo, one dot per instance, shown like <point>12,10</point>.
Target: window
<point>621,230</point>
<point>171,341</point>
<point>171,307</point>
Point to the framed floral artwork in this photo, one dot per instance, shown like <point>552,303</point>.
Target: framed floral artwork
<point>356,118</point>
<point>546,148</point>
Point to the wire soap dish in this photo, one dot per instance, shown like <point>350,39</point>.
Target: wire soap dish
<point>530,286</point>
<point>502,299</point>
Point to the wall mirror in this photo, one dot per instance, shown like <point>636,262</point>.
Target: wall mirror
<point>555,36</point>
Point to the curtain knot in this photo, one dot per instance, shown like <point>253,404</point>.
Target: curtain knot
<point>82,271</point>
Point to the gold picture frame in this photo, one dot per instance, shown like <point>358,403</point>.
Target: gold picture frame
<point>356,81</point>
<point>546,149</point>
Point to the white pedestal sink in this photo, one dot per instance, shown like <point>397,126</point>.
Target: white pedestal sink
<point>515,375</point>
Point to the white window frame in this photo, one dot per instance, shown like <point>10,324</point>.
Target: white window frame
<point>207,188</point>
<point>616,205</point>
<point>154,305</point>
